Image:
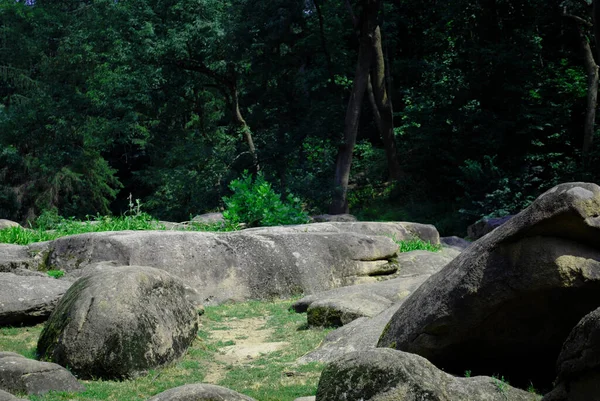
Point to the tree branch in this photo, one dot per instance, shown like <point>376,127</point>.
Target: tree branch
<point>578,19</point>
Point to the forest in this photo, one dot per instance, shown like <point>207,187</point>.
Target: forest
<point>431,111</point>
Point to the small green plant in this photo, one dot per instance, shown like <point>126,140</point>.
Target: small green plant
<point>55,273</point>
<point>255,203</point>
<point>501,384</point>
<point>532,389</point>
<point>416,244</point>
<point>467,373</point>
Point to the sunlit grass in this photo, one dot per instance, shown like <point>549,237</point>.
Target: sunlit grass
<point>269,377</point>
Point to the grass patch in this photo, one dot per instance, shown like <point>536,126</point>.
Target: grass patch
<point>64,227</point>
<point>416,245</point>
<point>270,376</point>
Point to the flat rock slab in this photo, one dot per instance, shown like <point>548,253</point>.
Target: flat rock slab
<point>22,375</point>
<point>237,266</point>
<point>393,290</point>
<point>360,335</point>
<point>14,257</point>
<point>336,312</point>
<point>397,230</point>
<point>27,300</point>
<point>200,392</point>
<point>387,374</point>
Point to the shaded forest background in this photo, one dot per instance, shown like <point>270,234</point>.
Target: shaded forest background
<point>461,109</point>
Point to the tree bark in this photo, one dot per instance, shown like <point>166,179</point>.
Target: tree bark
<point>591,70</point>
<point>243,127</point>
<point>381,100</point>
<point>370,9</point>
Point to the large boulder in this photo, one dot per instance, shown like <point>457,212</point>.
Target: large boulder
<point>386,375</point>
<point>241,265</point>
<point>27,300</point>
<point>578,364</point>
<point>200,392</point>
<point>507,303</point>
<point>22,375</point>
<point>120,322</point>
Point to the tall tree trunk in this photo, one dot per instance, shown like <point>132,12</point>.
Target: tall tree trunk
<point>368,25</point>
<point>591,70</point>
<point>382,101</point>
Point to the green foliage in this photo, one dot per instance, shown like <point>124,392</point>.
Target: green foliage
<point>416,244</point>
<point>255,203</point>
<point>501,384</point>
<point>55,273</point>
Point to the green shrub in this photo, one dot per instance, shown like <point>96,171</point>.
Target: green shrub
<point>255,203</point>
<point>55,273</point>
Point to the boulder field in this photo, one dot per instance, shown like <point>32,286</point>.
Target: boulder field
<point>251,264</point>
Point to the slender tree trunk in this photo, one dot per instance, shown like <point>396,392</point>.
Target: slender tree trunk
<point>591,70</point>
<point>241,124</point>
<point>339,203</point>
<point>381,100</point>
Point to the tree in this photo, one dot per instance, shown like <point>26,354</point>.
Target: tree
<point>588,27</point>
<point>368,26</point>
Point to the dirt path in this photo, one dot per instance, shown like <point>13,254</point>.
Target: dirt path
<point>250,340</point>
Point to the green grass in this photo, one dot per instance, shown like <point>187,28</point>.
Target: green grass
<point>64,227</point>
<point>268,377</point>
<point>416,245</point>
<point>55,273</point>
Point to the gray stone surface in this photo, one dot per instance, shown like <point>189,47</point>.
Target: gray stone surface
<point>4,396</point>
<point>336,312</point>
<point>120,322</point>
<point>200,392</point>
<point>8,224</point>
<point>359,335</point>
<point>455,243</point>
<point>241,265</point>
<point>506,304</point>
<point>209,218</point>
<point>390,375</point>
<point>13,257</point>
<point>394,290</point>
<point>578,364</point>
<point>26,300</point>
<point>326,218</point>
<point>413,269</point>
<point>22,375</point>
<point>485,226</point>
<point>397,230</point>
